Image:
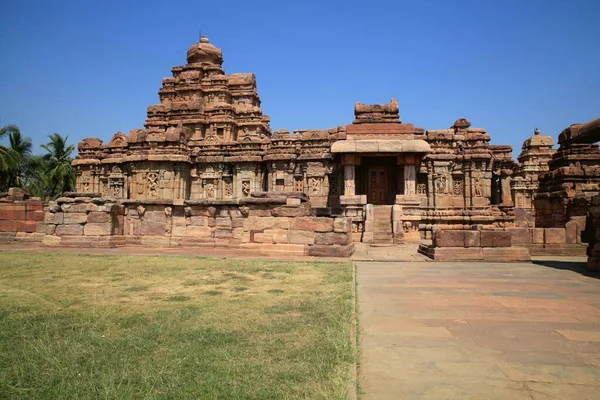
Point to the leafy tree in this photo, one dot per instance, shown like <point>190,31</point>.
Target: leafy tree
<point>44,175</point>
<point>61,175</point>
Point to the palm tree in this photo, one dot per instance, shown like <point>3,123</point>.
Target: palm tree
<point>9,159</point>
<point>21,146</point>
<point>61,174</point>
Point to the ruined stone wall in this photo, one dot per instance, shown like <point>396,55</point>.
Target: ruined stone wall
<point>20,217</point>
<point>266,222</point>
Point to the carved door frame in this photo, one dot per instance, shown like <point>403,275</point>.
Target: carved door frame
<point>378,185</point>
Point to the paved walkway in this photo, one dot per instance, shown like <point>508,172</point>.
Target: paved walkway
<point>479,331</point>
<point>404,252</point>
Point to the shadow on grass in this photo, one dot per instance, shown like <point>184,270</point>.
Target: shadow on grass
<point>576,266</point>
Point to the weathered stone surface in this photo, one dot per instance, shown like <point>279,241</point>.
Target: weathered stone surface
<point>493,238</point>
<point>263,237</point>
<point>448,238</point>
<point>150,228</point>
<point>554,235</point>
<point>223,233</point>
<point>198,221</point>
<point>70,229</point>
<point>75,218</point>
<point>302,237</point>
<point>500,254</point>
<point>198,231</point>
<point>472,238</point>
<point>313,224</point>
<point>332,238</point>
<point>278,235</point>
<point>520,236</point>
<point>98,217</point>
<point>97,229</point>
<point>259,223</point>
<point>342,225</point>
<point>79,207</point>
<point>537,236</point>
<point>155,216</point>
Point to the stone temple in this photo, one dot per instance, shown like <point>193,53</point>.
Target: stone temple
<point>207,169</point>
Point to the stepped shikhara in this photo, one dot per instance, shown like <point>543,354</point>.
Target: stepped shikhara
<point>207,139</point>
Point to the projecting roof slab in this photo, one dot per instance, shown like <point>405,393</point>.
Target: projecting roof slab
<point>381,146</point>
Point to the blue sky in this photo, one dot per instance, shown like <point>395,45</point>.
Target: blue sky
<point>90,68</point>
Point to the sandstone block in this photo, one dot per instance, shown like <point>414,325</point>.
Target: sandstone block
<point>572,232</point>
<point>27,226</point>
<point>520,236</point>
<point>313,224</point>
<point>278,235</point>
<point>98,217</point>
<point>237,233</point>
<point>13,213</point>
<point>319,250</point>
<point>75,218</point>
<point>255,223</point>
<point>49,229</point>
<point>150,228</point>
<point>155,216</point>
<point>493,238</point>
<point>223,222</point>
<point>97,229</point>
<point>38,215</point>
<point>198,220</point>
<point>289,211</point>
<point>332,238</point>
<point>282,223</point>
<point>259,211</point>
<point>178,220</point>
<point>302,237</point>
<point>554,235</point>
<point>78,207</point>
<point>346,250</point>
<point>472,238</point>
<point>537,236</point>
<point>448,238</point>
<point>198,231</point>
<point>178,230</point>
<point>50,240</point>
<point>263,237</point>
<point>237,222</point>
<point>500,254</point>
<point>342,225</point>
<point>223,233</point>
<point>69,229</point>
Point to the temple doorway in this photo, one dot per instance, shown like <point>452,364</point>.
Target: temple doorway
<point>377,185</point>
<point>377,178</point>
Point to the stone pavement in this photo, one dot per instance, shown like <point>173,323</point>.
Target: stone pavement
<point>479,330</point>
<point>403,252</point>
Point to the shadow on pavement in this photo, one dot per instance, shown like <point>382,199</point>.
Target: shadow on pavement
<point>575,266</point>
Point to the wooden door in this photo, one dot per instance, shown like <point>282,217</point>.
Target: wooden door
<point>378,185</point>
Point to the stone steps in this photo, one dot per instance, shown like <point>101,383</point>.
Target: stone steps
<point>382,225</point>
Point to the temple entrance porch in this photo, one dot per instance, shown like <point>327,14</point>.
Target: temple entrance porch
<point>380,196</point>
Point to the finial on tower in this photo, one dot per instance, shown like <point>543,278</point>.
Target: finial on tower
<point>536,131</point>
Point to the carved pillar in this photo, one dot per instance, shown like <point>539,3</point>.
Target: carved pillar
<point>409,180</point>
<point>349,180</point>
<point>505,180</point>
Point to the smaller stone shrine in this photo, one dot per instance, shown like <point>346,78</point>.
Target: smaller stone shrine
<point>535,155</point>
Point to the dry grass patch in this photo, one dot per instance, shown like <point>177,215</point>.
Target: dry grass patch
<point>101,326</point>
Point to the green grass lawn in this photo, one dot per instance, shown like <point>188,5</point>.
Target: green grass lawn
<point>142,327</point>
